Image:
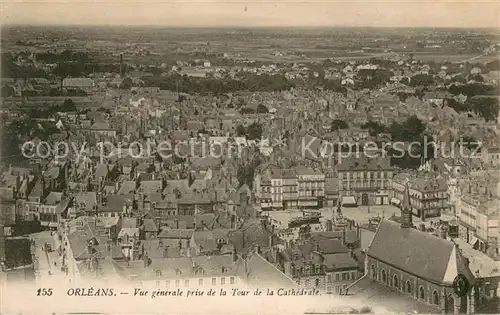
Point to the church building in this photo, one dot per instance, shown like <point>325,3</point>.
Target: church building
<point>407,270</point>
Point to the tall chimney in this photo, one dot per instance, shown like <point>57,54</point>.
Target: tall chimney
<point>121,65</point>
<point>343,237</point>
<point>235,256</point>
<point>99,198</point>
<point>271,237</point>
<point>246,267</point>
<point>233,221</point>
<point>176,223</point>
<point>158,224</point>
<point>89,259</point>
<point>146,260</point>
<point>257,249</point>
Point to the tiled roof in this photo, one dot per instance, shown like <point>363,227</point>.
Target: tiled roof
<point>78,82</point>
<point>100,126</point>
<point>262,274</point>
<point>151,186</point>
<point>367,291</point>
<point>127,187</point>
<point>37,190</point>
<point>87,198</point>
<point>150,225</point>
<point>363,163</point>
<point>181,267</point>
<point>422,183</point>
<point>206,240</point>
<point>341,261</point>
<point>331,186</point>
<point>101,170</point>
<point>115,203</point>
<point>52,173</point>
<point>176,233</point>
<point>411,250</point>
<point>53,198</point>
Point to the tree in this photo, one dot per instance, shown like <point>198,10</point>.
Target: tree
<point>245,175</point>
<point>104,110</point>
<point>241,131</point>
<point>338,124</point>
<point>410,131</point>
<point>475,77</point>
<point>254,131</point>
<point>246,110</point>
<point>374,128</point>
<point>68,106</point>
<point>421,80</point>
<point>486,107</point>
<point>472,89</point>
<point>126,84</point>
<point>405,81</point>
<point>8,91</point>
<point>262,109</point>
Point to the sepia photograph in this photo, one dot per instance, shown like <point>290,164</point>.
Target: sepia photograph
<point>250,157</point>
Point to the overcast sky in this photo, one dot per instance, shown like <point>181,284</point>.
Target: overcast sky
<point>404,13</point>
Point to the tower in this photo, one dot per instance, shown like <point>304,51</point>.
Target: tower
<point>406,214</point>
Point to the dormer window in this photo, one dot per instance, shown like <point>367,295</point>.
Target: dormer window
<point>223,270</point>
<point>178,272</point>
<point>158,273</point>
<point>199,271</point>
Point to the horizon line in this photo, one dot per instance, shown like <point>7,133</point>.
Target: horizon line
<point>2,25</point>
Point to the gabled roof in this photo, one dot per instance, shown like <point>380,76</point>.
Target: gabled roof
<point>416,252</point>
<point>261,273</point>
<point>393,301</point>
<point>37,190</point>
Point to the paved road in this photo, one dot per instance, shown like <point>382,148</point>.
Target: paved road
<point>360,214</point>
<point>48,266</point>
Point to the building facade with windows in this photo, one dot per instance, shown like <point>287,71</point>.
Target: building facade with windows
<point>478,215</point>
<point>301,187</point>
<point>311,187</point>
<point>429,195</point>
<point>367,181</point>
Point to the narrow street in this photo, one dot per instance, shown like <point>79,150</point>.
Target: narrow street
<point>47,263</point>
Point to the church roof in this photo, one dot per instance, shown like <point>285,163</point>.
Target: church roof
<point>393,301</point>
<point>422,254</point>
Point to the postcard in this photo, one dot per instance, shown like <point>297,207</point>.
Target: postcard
<point>250,157</point>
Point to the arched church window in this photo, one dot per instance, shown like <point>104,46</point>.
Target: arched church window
<point>408,287</point>
<point>421,293</point>
<point>435,297</point>
<point>395,281</point>
<point>384,277</point>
